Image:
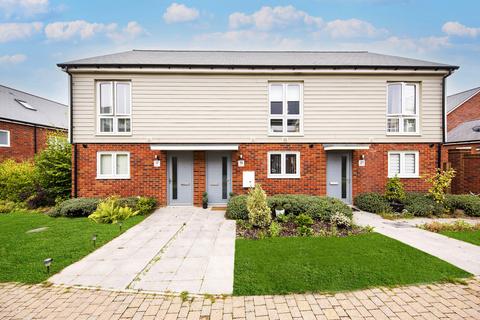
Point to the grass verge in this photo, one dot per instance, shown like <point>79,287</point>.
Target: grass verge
<point>66,240</point>
<point>332,264</point>
<point>467,236</point>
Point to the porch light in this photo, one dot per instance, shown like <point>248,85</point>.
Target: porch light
<point>47,262</point>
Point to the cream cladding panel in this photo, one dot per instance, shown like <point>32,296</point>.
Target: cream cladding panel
<point>203,108</point>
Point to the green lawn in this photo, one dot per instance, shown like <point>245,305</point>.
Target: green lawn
<point>467,236</point>
<point>295,265</point>
<point>66,240</point>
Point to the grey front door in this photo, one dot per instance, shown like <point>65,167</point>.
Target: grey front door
<point>339,175</point>
<point>180,178</point>
<point>218,176</point>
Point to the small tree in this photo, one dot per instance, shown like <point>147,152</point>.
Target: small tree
<point>54,166</point>
<point>259,213</point>
<point>440,182</point>
<point>394,190</point>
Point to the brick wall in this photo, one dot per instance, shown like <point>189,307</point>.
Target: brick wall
<point>466,163</point>
<point>145,179</point>
<point>22,141</point>
<point>470,110</point>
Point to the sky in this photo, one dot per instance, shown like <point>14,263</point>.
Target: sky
<point>35,35</point>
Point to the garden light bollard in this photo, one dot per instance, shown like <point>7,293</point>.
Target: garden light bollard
<point>94,240</point>
<point>47,262</point>
<point>120,225</point>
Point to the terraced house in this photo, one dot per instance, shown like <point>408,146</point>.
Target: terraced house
<point>175,124</point>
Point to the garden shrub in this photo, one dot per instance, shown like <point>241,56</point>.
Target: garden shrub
<point>340,220</point>
<point>459,225</point>
<point>7,206</point>
<point>54,168</point>
<point>274,229</point>
<point>470,204</point>
<point>372,202</point>
<point>237,208</point>
<point>109,211</point>
<point>440,182</point>
<point>394,191</point>
<point>146,205</point>
<point>259,213</point>
<point>17,180</point>
<point>304,220</point>
<point>77,207</point>
<point>421,205</point>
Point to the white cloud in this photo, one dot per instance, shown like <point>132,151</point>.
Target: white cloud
<point>457,29</point>
<point>12,59</point>
<point>65,30</point>
<point>23,7</point>
<point>177,12</point>
<point>131,31</point>
<point>269,17</point>
<point>352,28</point>
<point>15,31</point>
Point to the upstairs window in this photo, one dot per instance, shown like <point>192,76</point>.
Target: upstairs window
<point>286,108</point>
<point>4,138</point>
<point>114,107</point>
<point>403,164</point>
<point>402,108</point>
<point>283,164</point>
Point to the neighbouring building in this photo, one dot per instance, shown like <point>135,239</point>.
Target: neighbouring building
<point>463,140</point>
<point>175,124</point>
<point>26,121</point>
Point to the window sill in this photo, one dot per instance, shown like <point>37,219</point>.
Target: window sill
<point>111,134</point>
<point>285,134</point>
<point>283,177</point>
<point>405,177</point>
<point>113,178</point>
<point>4,146</point>
<point>406,134</point>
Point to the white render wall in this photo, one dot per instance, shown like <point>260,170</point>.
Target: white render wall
<point>221,108</point>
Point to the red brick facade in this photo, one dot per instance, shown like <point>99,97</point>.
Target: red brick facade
<point>468,111</point>
<point>465,159</point>
<point>147,180</point>
<point>25,140</point>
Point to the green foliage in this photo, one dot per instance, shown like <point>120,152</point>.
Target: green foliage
<point>340,220</point>
<point>76,207</point>
<point>205,198</point>
<point>394,190</point>
<point>440,182</point>
<point>108,211</point>
<point>237,208</point>
<point>304,231</point>
<point>372,202</point>
<point>304,220</point>
<point>17,180</point>
<point>274,229</point>
<point>7,206</point>
<point>259,213</point>
<point>54,167</point>
<point>470,204</point>
<point>146,205</point>
<point>421,205</point>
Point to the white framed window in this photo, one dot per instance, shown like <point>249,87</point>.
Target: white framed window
<point>4,138</point>
<point>403,164</point>
<point>285,108</point>
<point>283,164</point>
<point>113,165</point>
<point>114,105</point>
<point>403,108</point>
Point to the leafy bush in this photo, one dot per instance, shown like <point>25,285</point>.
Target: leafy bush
<point>237,208</point>
<point>470,204</point>
<point>77,207</point>
<point>421,205</point>
<point>259,213</point>
<point>459,225</point>
<point>440,182</point>
<point>108,211</point>
<point>7,206</point>
<point>394,191</point>
<point>372,202</point>
<point>340,220</point>
<point>304,220</point>
<point>17,180</point>
<point>304,231</point>
<point>274,229</point>
<point>54,167</point>
<point>146,205</point>
<point>41,198</point>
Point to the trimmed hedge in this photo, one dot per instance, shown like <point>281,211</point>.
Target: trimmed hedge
<point>470,204</point>
<point>319,208</point>
<point>83,207</point>
<point>421,205</point>
<point>372,202</point>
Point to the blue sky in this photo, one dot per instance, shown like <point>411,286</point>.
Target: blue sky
<point>37,34</point>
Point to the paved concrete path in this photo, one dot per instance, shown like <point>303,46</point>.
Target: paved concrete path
<point>433,301</point>
<point>459,253</point>
<point>175,249</point>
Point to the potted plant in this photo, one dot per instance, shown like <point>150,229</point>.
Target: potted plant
<point>279,210</point>
<point>205,200</point>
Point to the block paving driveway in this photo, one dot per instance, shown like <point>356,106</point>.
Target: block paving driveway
<point>434,301</point>
<point>175,249</point>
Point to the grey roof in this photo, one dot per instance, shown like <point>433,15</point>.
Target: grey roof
<point>457,99</point>
<point>465,132</point>
<point>48,113</point>
<point>249,59</point>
